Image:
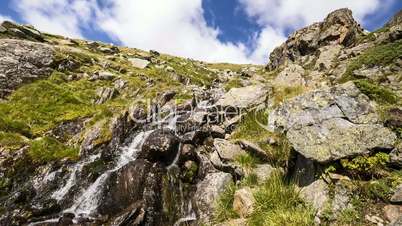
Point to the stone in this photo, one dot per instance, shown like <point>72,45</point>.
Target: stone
<point>23,62</point>
<point>208,191</point>
<point>392,212</point>
<point>161,145</point>
<point>102,75</point>
<point>395,157</point>
<point>253,149</point>
<point>397,196</point>
<point>291,76</point>
<point>22,31</point>
<point>332,123</point>
<point>104,94</point>
<point>217,132</point>
<point>374,219</point>
<point>395,20</point>
<point>244,97</point>
<point>263,171</point>
<point>243,202</point>
<point>120,84</point>
<point>227,150</point>
<point>139,63</point>
<point>394,118</point>
<point>397,222</point>
<point>2,29</point>
<point>327,56</point>
<point>317,194</point>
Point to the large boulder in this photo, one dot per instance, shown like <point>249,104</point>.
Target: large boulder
<point>23,62</point>
<point>161,145</point>
<point>291,76</point>
<point>227,150</point>
<point>339,27</point>
<point>244,97</point>
<point>331,124</point>
<point>208,192</point>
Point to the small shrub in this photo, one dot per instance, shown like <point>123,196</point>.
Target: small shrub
<point>247,161</point>
<point>47,149</point>
<point>366,165</point>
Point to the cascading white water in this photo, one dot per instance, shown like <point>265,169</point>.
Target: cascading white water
<point>77,168</point>
<point>87,202</point>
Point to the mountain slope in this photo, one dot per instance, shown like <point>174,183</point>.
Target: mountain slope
<point>93,134</point>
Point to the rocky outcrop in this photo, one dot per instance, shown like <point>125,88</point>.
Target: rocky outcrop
<point>12,30</point>
<point>244,97</point>
<point>333,123</point>
<point>338,28</point>
<point>23,62</point>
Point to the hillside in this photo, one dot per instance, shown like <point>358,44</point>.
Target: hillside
<point>96,134</point>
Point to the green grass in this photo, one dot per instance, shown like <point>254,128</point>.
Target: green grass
<point>224,205</point>
<point>376,92</point>
<point>40,106</point>
<point>12,141</point>
<point>284,93</point>
<point>278,203</point>
<point>233,83</point>
<point>381,55</point>
<point>47,149</point>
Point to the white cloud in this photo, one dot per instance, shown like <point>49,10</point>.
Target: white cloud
<point>295,13</point>
<point>178,27</point>
<point>3,18</point>
<point>61,17</point>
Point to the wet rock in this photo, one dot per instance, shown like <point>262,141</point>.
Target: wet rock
<point>139,63</point>
<point>227,150</point>
<point>161,145</point>
<point>244,97</point>
<point>392,213</point>
<point>243,202</point>
<point>104,94</point>
<point>23,62</point>
<point>102,75</point>
<point>253,149</point>
<point>397,196</point>
<point>332,123</point>
<point>291,76</point>
<point>66,130</point>
<point>208,191</point>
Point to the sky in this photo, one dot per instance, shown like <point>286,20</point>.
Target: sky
<point>233,31</point>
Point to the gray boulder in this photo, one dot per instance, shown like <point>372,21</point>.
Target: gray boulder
<point>104,94</point>
<point>23,62</point>
<point>227,150</point>
<point>331,124</point>
<point>208,192</point>
<point>244,97</point>
<point>139,63</point>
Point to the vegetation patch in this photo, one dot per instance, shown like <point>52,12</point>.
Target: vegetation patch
<point>12,141</point>
<point>366,165</point>
<point>377,92</point>
<point>283,93</point>
<point>381,55</point>
<point>224,206</point>
<point>233,83</point>
<point>47,149</point>
<point>278,203</point>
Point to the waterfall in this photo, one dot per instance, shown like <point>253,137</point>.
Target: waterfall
<point>71,181</point>
<point>87,202</point>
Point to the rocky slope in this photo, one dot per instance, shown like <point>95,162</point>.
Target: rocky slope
<point>94,134</point>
